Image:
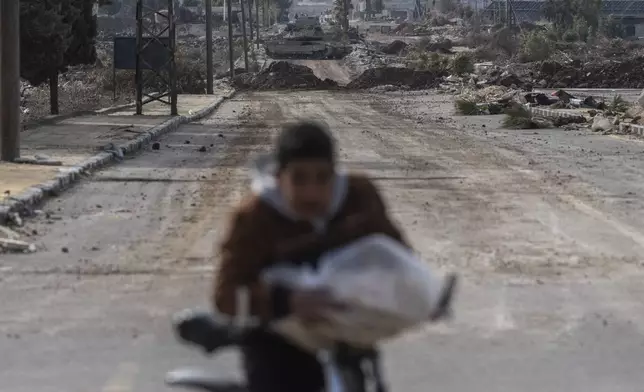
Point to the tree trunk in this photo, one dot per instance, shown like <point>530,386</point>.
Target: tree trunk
<point>53,92</point>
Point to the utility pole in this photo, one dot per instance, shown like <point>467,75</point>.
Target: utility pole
<point>508,13</point>
<point>244,40</point>
<point>231,46</point>
<point>250,20</point>
<point>209,70</point>
<point>10,80</point>
<point>257,20</point>
<point>345,21</point>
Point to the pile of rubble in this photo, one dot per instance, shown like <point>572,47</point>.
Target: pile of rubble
<point>395,47</point>
<point>399,77</point>
<point>370,55</point>
<point>600,115</point>
<point>438,44</point>
<point>600,73</point>
<point>282,75</point>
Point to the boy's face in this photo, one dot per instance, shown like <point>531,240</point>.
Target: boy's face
<point>307,186</point>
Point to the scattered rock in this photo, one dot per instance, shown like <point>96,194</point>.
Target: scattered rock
<point>202,149</point>
<point>601,124</point>
<point>156,146</point>
<point>12,245</point>
<point>7,233</point>
<point>65,249</point>
<point>15,219</point>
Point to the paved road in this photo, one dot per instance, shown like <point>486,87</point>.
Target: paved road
<point>551,258</point>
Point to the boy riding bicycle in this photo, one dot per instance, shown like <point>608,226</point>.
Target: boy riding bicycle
<point>300,207</point>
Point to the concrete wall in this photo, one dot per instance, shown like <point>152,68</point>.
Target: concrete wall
<point>639,30</point>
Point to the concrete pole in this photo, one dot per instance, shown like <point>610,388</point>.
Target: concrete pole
<point>10,80</point>
<point>209,70</point>
<point>231,43</point>
<point>245,41</point>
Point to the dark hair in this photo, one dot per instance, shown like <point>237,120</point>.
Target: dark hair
<point>304,140</point>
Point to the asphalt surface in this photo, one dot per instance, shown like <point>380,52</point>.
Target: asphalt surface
<point>548,237</point>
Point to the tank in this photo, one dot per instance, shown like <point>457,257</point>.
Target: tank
<point>304,38</point>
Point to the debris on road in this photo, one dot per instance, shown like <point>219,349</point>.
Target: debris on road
<point>9,245</point>
<point>15,219</point>
<point>601,124</point>
<point>397,77</point>
<point>10,241</point>
<point>7,233</point>
<point>283,75</point>
<point>38,160</point>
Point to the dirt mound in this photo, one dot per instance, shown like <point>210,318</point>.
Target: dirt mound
<point>397,77</point>
<point>395,47</point>
<point>602,73</point>
<point>283,75</point>
<point>443,45</point>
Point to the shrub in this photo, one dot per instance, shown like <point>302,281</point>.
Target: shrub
<point>462,64</point>
<point>618,104</point>
<point>426,61</point>
<point>535,46</point>
<point>518,117</point>
<point>467,107</point>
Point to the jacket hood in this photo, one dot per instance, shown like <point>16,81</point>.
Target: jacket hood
<point>264,185</point>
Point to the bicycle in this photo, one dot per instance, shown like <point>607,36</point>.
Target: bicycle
<point>204,330</point>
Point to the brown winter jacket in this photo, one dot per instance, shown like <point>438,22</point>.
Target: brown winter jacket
<point>262,234</point>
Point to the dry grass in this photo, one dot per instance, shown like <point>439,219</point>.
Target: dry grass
<point>467,107</point>
<point>518,117</point>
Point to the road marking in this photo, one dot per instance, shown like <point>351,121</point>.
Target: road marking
<point>626,139</point>
<point>580,205</point>
<point>123,378</point>
<point>620,227</point>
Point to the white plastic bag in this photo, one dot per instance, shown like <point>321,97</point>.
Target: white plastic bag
<point>386,287</point>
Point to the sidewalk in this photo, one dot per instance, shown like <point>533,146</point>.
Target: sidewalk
<point>88,142</point>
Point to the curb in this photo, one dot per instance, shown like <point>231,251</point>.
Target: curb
<point>52,119</point>
<point>622,127</point>
<point>36,194</point>
<point>551,113</point>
